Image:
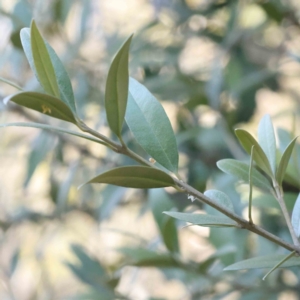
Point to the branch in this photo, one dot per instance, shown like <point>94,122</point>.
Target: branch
<point>199,196</point>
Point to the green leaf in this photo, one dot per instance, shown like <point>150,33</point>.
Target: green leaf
<point>240,170</point>
<point>116,92</point>
<point>284,161</point>
<point>150,126</point>
<point>42,62</point>
<point>135,177</point>
<point>220,198</point>
<point>63,80</point>
<point>53,128</point>
<point>261,262</point>
<point>296,217</point>
<point>159,202</point>
<point>247,141</point>
<point>26,43</point>
<point>146,258</point>
<point>43,103</point>
<point>266,139</point>
<point>203,219</point>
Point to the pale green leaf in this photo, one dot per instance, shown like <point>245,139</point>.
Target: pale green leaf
<point>240,170</point>
<point>203,219</point>
<point>55,129</point>
<point>220,198</point>
<point>135,177</point>
<point>284,161</point>
<point>261,262</point>
<point>296,217</point>
<point>247,141</point>
<point>150,126</point>
<point>26,43</point>
<point>266,139</point>
<point>63,80</point>
<point>43,103</point>
<point>116,92</point>
<point>42,62</point>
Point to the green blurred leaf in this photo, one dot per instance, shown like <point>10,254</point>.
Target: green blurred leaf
<point>53,128</point>
<point>261,262</point>
<point>91,272</point>
<point>220,198</point>
<point>296,216</point>
<point>116,92</point>
<point>203,219</point>
<point>26,43</point>
<point>147,258</point>
<point>43,103</point>
<point>160,202</point>
<point>135,177</point>
<point>247,141</point>
<point>266,139</point>
<point>14,262</point>
<point>42,145</point>
<point>284,161</point>
<point>150,126</point>
<point>42,62</point>
<point>63,79</point>
<point>240,170</point>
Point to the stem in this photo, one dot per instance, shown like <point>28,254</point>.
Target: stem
<point>280,199</point>
<point>242,222</point>
<point>250,186</point>
<point>184,187</point>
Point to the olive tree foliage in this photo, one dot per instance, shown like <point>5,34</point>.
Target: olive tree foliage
<point>150,158</point>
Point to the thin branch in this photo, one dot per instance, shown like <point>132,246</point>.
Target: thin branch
<point>279,196</point>
<point>198,195</point>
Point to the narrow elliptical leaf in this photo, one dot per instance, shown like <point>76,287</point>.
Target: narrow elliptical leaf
<point>221,198</point>
<point>43,103</point>
<point>266,139</point>
<point>240,170</point>
<point>261,262</point>
<point>150,126</point>
<point>135,177</point>
<point>62,78</point>
<point>42,62</point>
<point>202,219</point>
<point>26,43</point>
<point>284,161</point>
<point>296,217</point>
<point>116,92</point>
<point>247,141</point>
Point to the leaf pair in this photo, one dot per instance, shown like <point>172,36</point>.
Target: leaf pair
<point>58,102</point>
<point>145,116</point>
<point>265,149</point>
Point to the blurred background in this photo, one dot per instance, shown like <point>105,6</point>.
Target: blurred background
<point>215,66</point>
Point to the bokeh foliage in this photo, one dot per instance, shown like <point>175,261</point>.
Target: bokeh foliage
<point>210,63</point>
